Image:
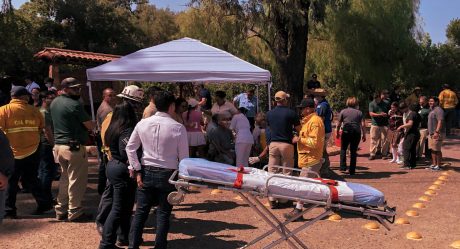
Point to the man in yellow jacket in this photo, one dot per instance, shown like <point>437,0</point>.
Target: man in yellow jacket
<point>448,100</point>
<point>310,144</point>
<point>22,124</point>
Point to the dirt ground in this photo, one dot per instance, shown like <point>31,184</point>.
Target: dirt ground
<point>221,221</point>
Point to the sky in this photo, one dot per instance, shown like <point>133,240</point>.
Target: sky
<point>435,14</point>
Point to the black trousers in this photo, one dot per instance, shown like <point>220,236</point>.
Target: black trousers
<point>410,149</point>
<point>349,140</point>
<point>102,178</point>
<point>25,169</point>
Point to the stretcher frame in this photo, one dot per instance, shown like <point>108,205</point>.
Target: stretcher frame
<point>383,215</point>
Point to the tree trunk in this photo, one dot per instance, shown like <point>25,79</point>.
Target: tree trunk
<point>290,49</point>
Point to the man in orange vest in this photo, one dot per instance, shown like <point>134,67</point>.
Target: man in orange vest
<point>22,124</point>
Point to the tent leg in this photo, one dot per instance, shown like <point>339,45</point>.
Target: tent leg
<point>91,99</point>
<point>269,86</point>
<point>257,94</point>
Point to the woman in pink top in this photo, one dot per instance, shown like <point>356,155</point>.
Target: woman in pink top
<point>192,121</point>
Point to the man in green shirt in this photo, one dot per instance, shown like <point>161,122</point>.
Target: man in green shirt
<point>71,124</point>
<point>423,112</point>
<point>378,110</point>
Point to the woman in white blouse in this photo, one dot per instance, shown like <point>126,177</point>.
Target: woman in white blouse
<point>244,139</point>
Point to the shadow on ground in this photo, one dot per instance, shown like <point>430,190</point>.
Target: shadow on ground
<point>202,233</point>
<point>208,206</point>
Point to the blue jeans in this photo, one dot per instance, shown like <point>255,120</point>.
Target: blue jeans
<point>123,201</point>
<point>47,170</point>
<point>155,190</point>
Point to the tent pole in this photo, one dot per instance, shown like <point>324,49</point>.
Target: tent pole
<point>257,94</point>
<point>269,86</point>
<point>91,100</point>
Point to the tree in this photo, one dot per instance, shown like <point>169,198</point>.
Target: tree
<point>283,26</point>
<point>453,32</point>
<point>364,46</point>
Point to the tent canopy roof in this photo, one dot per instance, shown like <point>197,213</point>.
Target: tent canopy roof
<point>183,60</point>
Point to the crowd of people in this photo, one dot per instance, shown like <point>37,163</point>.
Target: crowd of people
<point>141,147</point>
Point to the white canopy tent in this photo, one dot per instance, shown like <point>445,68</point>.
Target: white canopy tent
<point>183,60</point>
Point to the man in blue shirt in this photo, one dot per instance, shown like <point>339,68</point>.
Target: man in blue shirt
<point>282,122</point>
<point>323,109</point>
<point>248,101</point>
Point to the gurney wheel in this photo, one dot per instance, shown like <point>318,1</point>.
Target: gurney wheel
<point>175,198</point>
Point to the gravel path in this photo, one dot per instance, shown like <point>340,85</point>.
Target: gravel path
<point>221,221</point>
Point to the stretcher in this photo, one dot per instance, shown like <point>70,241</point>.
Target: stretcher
<point>252,184</point>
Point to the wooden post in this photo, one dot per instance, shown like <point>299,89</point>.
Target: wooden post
<point>53,72</point>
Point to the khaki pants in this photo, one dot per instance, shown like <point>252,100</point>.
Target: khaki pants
<point>280,154</point>
<point>306,172</point>
<point>314,168</point>
<point>326,170</point>
<point>74,178</point>
<point>379,136</point>
<point>421,142</point>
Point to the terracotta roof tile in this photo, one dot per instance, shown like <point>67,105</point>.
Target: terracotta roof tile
<point>52,54</point>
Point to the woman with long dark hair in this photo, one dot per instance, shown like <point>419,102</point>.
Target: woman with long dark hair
<point>117,135</point>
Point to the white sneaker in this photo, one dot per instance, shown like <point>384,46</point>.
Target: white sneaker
<point>431,167</point>
<point>393,161</point>
<point>399,162</point>
<point>436,168</point>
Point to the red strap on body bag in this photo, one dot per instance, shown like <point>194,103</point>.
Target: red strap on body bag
<point>239,176</point>
<point>331,184</point>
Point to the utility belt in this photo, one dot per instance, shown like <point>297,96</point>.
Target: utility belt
<point>154,168</point>
<point>74,145</point>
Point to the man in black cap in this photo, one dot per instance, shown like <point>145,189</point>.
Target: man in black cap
<point>71,124</point>
<point>310,143</point>
<point>22,124</point>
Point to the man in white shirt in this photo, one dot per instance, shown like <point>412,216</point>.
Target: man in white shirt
<point>165,144</point>
<point>31,84</point>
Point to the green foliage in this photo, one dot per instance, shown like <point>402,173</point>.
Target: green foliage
<point>453,32</point>
<point>104,26</point>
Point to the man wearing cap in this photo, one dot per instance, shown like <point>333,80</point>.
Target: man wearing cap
<point>71,125</point>
<point>313,83</point>
<point>413,99</point>
<point>447,101</point>
<point>22,124</point>
<point>310,144</point>
<point>323,109</point>
<point>282,122</point>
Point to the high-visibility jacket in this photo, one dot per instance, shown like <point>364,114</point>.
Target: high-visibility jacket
<point>22,124</point>
<point>104,126</point>
<point>311,140</point>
